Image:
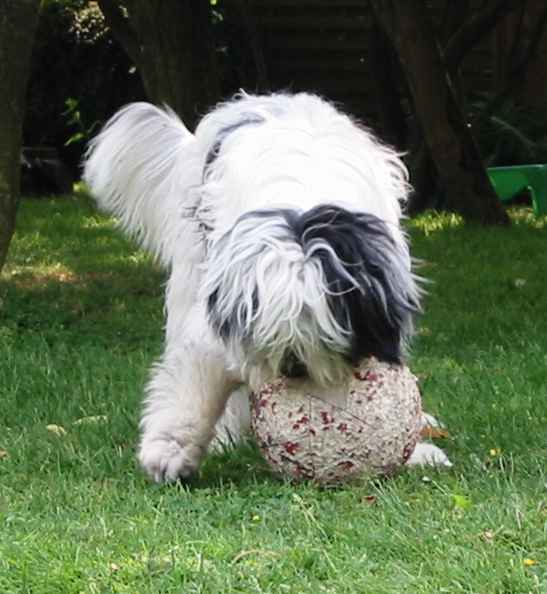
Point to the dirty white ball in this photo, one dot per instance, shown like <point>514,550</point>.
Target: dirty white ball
<point>368,425</point>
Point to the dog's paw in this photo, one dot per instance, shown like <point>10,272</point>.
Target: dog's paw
<point>431,421</point>
<point>166,460</point>
<point>427,454</point>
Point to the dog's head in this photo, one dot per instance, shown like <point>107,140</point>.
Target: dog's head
<point>311,293</point>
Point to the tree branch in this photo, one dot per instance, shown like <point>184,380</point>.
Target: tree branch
<point>121,29</point>
<point>471,32</point>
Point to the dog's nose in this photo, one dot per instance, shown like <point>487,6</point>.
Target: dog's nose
<point>291,366</point>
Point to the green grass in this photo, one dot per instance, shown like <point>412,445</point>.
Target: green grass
<point>80,323</point>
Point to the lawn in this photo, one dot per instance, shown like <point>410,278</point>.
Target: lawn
<point>80,323</point>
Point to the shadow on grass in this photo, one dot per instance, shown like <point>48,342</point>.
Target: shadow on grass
<point>69,271</point>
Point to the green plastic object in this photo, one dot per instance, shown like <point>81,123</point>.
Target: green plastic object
<point>508,181</point>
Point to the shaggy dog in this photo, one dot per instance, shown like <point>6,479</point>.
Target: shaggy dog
<point>278,221</point>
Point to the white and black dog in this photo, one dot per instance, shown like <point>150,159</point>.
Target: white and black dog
<point>279,223</point>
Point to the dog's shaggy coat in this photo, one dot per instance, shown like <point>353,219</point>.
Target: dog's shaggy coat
<point>279,223</point>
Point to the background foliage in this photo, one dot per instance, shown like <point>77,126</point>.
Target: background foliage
<point>75,58</point>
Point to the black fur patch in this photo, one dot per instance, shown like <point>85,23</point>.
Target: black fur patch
<point>377,307</point>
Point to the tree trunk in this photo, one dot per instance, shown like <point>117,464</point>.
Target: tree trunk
<point>461,173</point>
<point>18,20</point>
<point>455,17</point>
<point>172,46</point>
<point>387,82</point>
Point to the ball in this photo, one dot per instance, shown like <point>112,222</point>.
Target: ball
<point>368,425</point>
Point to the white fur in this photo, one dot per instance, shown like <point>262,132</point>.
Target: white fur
<point>141,168</point>
<point>427,454</point>
<point>292,312</point>
<point>305,153</point>
<point>294,152</point>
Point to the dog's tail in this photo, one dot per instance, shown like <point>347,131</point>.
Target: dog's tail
<point>139,168</point>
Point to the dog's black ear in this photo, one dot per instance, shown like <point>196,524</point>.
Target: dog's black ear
<point>372,291</point>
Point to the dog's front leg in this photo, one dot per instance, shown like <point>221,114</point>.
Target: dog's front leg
<point>185,397</point>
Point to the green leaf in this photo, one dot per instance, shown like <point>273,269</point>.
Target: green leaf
<point>461,502</point>
<point>78,137</point>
